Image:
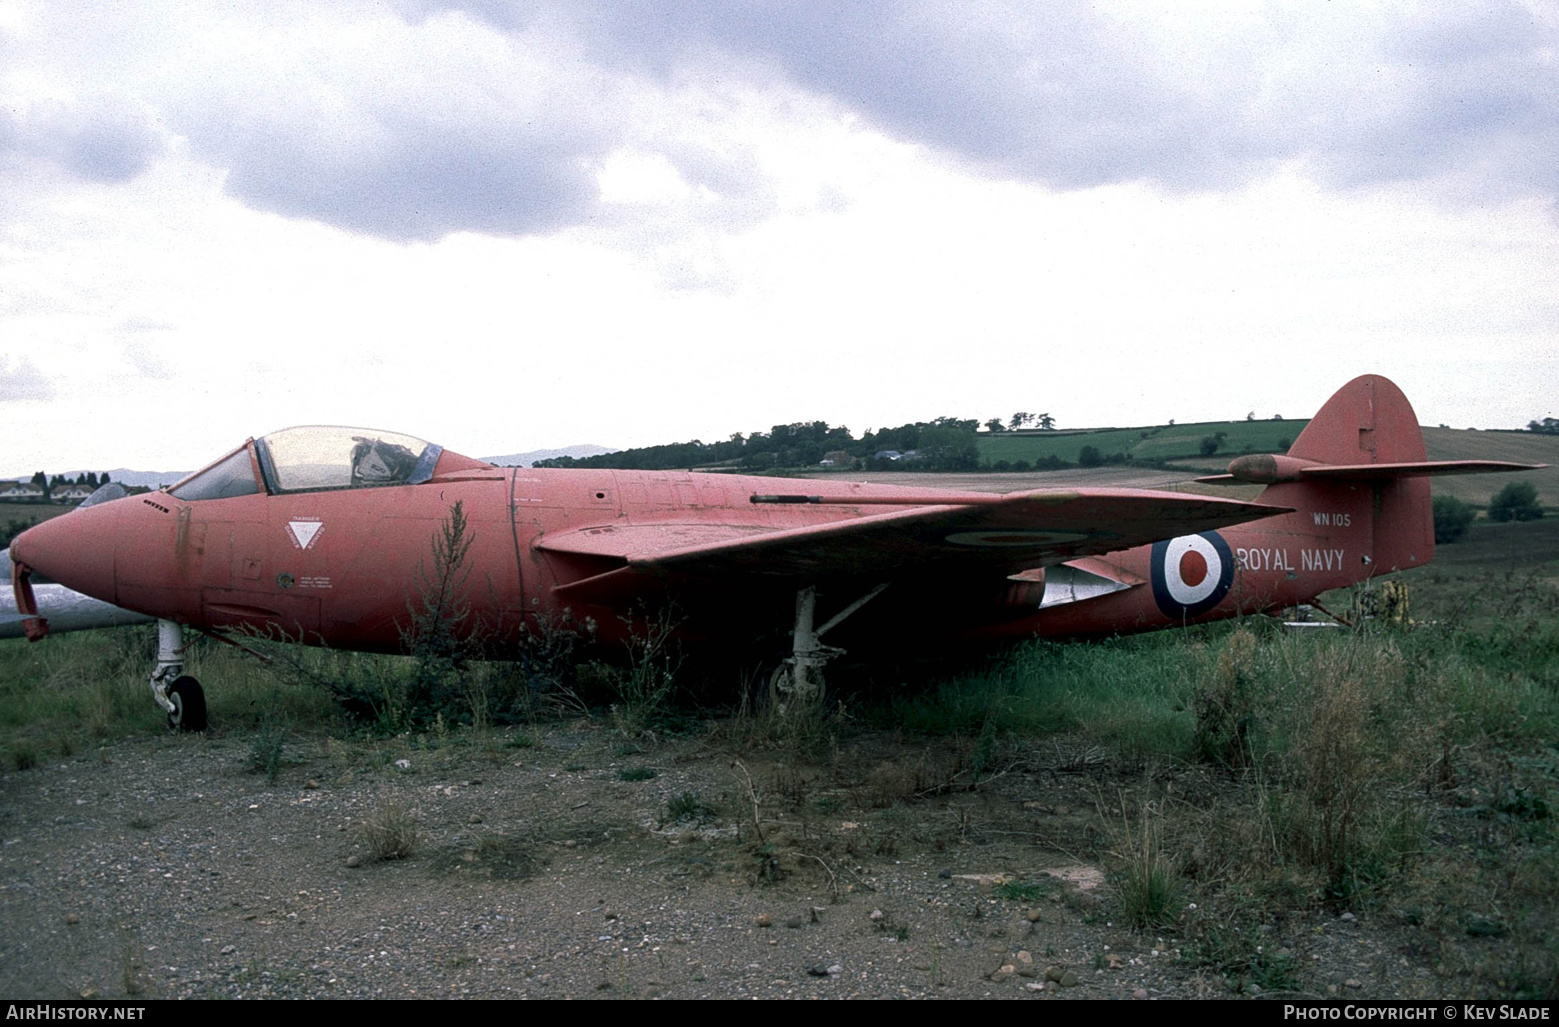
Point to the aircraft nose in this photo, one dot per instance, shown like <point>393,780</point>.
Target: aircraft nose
<point>75,549</point>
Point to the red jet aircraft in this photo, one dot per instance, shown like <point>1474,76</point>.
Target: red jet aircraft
<point>322,535</point>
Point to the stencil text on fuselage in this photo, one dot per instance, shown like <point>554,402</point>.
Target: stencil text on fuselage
<point>1283,560</point>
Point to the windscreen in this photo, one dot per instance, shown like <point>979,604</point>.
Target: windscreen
<point>231,476</point>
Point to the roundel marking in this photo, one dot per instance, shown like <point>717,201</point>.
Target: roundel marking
<point>1191,574</point>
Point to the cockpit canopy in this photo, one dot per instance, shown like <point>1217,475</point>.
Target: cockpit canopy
<point>313,459</point>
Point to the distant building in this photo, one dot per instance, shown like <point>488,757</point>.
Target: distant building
<point>71,493</point>
<point>838,458</point>
<point>20,490</point>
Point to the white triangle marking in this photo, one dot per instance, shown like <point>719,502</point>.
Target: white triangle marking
<point>303,532</point>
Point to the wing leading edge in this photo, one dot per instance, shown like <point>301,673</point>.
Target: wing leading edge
<point>997,535</point>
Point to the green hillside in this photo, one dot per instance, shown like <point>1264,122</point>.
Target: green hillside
<point>1164,442</point>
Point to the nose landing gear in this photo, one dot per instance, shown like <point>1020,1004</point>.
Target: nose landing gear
<point>175,691</point>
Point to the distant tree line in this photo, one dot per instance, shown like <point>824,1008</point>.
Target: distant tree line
<point>1547,426</point>
<point>943,444</point>
<point>1044,422</point>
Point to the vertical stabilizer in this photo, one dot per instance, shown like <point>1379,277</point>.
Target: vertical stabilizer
<point>1367,421</point>
<point>1370,421</point>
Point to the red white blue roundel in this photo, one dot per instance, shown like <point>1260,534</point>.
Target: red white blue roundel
<point>1191,574</point>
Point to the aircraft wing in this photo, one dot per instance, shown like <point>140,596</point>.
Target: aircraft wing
<point>995,534</point>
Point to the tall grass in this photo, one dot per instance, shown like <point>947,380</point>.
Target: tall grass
<point>1398,767</point>
<point>77,690</point>
<point>1132,693</point>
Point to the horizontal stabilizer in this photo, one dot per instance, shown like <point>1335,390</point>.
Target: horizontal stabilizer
<point>1414,469</point>
<point>1266,470</point>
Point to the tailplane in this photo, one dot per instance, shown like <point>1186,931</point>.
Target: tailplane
<point>1361,462</point>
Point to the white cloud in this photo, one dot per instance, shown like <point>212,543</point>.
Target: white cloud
<point>506,228</point>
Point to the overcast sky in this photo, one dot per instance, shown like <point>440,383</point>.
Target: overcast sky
<point>508,226</point>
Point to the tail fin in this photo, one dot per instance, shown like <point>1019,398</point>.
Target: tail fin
<point>1367,421</point>
<point>1370,421</point>
<point>1357,476</point>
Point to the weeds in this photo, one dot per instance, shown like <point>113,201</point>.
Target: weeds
<point>1225,704</point>
<point>687,807</point>
<point>267,751</point>
<point>643,689</point>
<point>1026,890</point>
<point>1149,885</point>
<point>391,832</point>
<point>1243,957</point>
<point>439,635</point>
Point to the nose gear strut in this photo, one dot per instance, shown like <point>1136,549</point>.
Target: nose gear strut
<point>176,692</point>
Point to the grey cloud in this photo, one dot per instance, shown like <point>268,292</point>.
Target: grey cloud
<point>1056,94</point>
<point>423,185</point>
<point>438,144</point>
<point>1062,95</point>
<point>20,380</point>
<point>98,139</point>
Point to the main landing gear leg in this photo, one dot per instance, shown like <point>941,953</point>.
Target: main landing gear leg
<point>802,685</point>
<point>176,692</point>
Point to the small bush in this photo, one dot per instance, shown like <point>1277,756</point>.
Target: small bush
<point>1239,954</point>
<point>1225,705</point>
<point>638,774</point>
<point>1451,519</point>
<point>687,808</point>
<point>1150,887</point>
<point>267,751</point>
<point>1517,501</point>
<point>644,689</point>
<point>391,832</point>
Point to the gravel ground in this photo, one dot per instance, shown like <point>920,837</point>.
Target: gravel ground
<point>164,867</point>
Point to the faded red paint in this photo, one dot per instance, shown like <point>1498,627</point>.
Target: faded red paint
<point>346,566</point>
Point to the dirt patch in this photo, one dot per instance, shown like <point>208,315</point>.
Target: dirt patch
<point>162,867</point>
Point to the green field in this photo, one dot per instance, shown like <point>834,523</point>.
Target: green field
<point>1164,442</point>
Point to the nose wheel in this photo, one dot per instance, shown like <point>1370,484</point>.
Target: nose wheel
<point>172,689</point>
<point>189,705</point>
